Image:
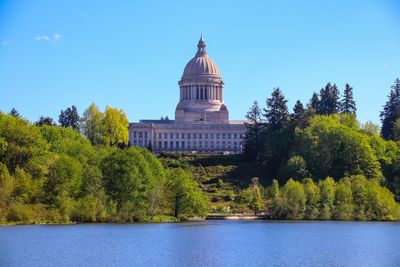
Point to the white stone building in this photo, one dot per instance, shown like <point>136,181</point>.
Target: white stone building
<point>201,118</point>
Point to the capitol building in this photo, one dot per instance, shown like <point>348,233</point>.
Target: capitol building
<point>201,117</point>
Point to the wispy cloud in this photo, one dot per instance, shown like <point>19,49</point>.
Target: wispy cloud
<point>5,43</point>
<point>42,38</point>
<point>55,38</point>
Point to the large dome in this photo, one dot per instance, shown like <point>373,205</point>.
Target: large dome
<point>201,64</point>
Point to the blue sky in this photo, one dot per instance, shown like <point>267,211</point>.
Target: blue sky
<point>131,54</point>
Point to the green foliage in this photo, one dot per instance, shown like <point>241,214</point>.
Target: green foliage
<point>185,195</point>
<point>252,196</point>
<point>331,148</point>
<point>351,198</point>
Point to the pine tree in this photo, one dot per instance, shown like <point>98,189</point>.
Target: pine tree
<point>329,100</point>
<point>252,139</point>
<point>14,113</point>
<point>69,118</point>
<point>391,111</point>
<point>314,102</point>
<point>276,113</point>
<point>298,109</point>
<point>348,105</point>
<point>45,121</point>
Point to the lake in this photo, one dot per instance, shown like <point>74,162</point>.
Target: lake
<point>209,243</point>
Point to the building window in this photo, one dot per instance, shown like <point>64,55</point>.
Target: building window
<point>165,135</point>
<point>200,135</point>
<point>229,136</point>
<point>183,136</point>
<point>177,144</point>
<point>165,144</point>
<point>194,136</point>
<point>223,136</point>
<point>212,136</point>
<point>188,135</point>
<point>235,136</point>
<point>217,135</point>
<point>140,135</point>
<point>134,134</point>
<point>159,136</point>
<point>159,144</point>
<point>145,134</point>
<point>177,135</point>
<point>183,144</point>
<point>171,135</point>
<point>171,144</point>
<point>206,136</point>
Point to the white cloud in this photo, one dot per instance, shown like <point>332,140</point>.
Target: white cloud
<point>5,43</point>
<point>57,37</point>
<point>42,38</point>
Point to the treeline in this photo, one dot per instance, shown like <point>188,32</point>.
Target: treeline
<point>54,174</point>
<point>351,198</point>
<point>324,139</point>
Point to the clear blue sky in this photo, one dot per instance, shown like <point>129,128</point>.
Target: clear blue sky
<point>131,54</point>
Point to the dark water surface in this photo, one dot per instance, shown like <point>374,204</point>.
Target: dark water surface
<point>211,243</point>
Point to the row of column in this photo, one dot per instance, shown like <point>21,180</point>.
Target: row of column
<point>201,92</point>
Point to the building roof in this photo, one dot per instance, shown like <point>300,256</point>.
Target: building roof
<point>201,64</point>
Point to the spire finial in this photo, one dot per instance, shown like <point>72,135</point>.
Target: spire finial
<point>201,47</point>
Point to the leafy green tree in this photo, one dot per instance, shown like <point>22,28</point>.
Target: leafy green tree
<point>45,121</point>
<point>381,205</point>
<point>343,203</point>
<point>396,130</point>
<point>275,202</point>
<point>296,168</point>
<point>391,111</point>
<point>348,105</point>
<point>186,197</point>
<point>327,189</point>
<point>313,196</point>
<point>92,125</point>
<point>253,196</point>
<point>370,128</point>
<point>329,100</point>
<point>70,118</point>
<point>115,125</point>
<point>295,200</point>
<point>254,127</point>
<point>332,148</point>
<point>6,189</point>
<point>21,140</point>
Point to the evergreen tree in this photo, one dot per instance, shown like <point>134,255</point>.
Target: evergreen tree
<point>348,105</point>
<point>314,102</point>
<point>391,111</point>
<point>276,113</point>
<point>45,121</point>
<point>69,118</point>
<point>14,113</point>
<point>298,108</point>
<point>252,139</point>
<point>329,100</point>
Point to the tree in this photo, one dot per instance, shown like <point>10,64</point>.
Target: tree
<point>14,113</point>
<point>6,189</point>
<point>92,125</point>
<point>186,197</point>
<point>69,118</point>
<point>314,102</point>
<point>115,127</point>
<point>276,113</point>
<point>329,100</point>
<point>391,111</point>
<point>296,168</point>
<point>253,196</point>
<point>298,109</point>
<point>313,195</point>
<point>343,203</point>
<point>295,200</point>
<point>45,121</point>
<point>348,105</point>
<point>327,189</point>
<point>275,203</point>
<point>396,130</point>
<point>252,138</point>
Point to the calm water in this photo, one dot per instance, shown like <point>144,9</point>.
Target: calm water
<point>212,243</point>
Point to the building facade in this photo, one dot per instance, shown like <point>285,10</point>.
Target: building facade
<point>201,118</point>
